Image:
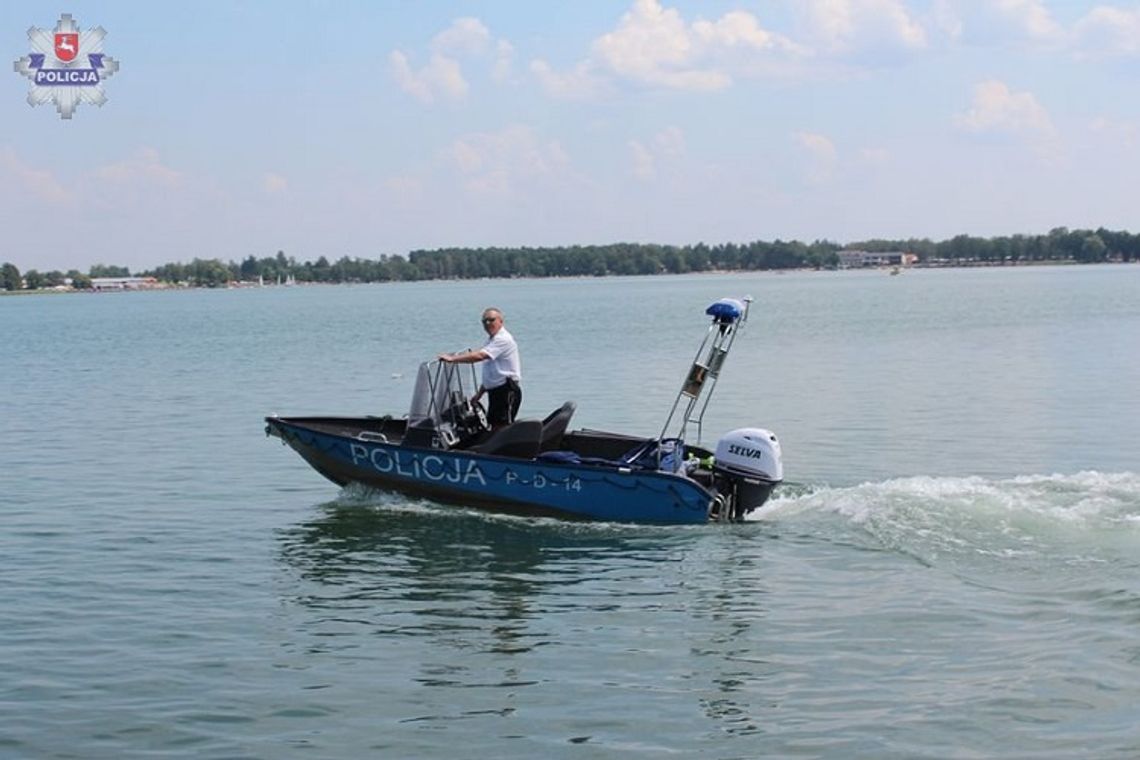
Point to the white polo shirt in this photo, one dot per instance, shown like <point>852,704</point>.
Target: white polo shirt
<point>504,362</point>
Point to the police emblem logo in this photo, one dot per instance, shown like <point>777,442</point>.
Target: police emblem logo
<point>66,46</point>
<point>66,66</point>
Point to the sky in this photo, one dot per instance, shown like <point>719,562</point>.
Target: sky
<point>375,128</point>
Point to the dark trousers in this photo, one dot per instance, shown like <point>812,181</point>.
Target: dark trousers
<point>503,403</point>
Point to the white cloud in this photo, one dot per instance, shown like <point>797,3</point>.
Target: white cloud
<point>644,165</point>
<point>405,187</point>
<point>465,36</point>
<point>580,83</point>
<point>274,184</point>
<point>143,168</point>
<point>1031,17</point>
<point>670,141</point>
<point>736,28</point>
<point>504,61</point>
<point>996,108</point>
<point>944,17</point>
<point>498,162</point>
<point>842,26</point>
<point>1108,30</point>
<point>136,206</point>
<point>998,21</point>
<point>442,76</point>
<point>1122,133</point>
<point>466,156</point>
<point>874,156</point>
<point>666,145</point>
<point>1104,31</point>
<point>822,153</point>
<point>38,183</point>
<point>655,46</point>
<point>816,144</point>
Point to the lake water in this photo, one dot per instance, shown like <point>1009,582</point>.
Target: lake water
<point>952,570</point>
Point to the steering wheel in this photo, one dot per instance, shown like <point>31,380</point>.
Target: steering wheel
<point>480,413</point>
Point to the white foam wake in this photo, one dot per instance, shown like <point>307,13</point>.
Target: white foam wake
<point>1088,515</point>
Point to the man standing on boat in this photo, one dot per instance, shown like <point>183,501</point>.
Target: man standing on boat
<point>502,370</point>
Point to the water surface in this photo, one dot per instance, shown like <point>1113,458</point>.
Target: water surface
<point>951,571</point>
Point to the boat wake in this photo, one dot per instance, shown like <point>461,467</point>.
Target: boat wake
<point>1032,522</point>
<point>1087,517</point>
<point>357,495</point>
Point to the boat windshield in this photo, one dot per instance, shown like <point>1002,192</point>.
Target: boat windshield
<point>439,387</point>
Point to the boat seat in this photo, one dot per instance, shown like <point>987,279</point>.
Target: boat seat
<point>519,439</point>
<point>425,435</point>
<point>554,426</point>
<point>420,435</point>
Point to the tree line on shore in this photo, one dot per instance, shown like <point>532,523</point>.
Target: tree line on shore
<point>1059,245</point>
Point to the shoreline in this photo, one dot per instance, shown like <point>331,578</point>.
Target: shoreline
<point>246,285</point>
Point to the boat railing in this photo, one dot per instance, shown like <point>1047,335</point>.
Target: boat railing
<point>728,317</point>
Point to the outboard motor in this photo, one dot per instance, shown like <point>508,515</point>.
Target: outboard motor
<point>747,467</point>
<point>747,463</point>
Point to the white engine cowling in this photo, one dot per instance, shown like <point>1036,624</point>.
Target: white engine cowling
<point>752,453</point>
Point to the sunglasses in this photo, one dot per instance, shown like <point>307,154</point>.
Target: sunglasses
<point>489,320</point>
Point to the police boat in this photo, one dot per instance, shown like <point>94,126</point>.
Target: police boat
<point>444,450</point>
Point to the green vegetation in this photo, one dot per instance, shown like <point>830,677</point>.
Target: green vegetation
<point>11,280</point>
<point>10,277</point>
<point>1060,245</point>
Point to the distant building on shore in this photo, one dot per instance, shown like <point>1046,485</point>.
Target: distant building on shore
<point>125,283</point>
<point>854,259</point>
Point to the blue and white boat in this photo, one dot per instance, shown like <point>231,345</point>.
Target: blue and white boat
<point>444,450</point>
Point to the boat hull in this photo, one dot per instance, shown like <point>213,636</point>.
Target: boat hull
<point>595,492</point>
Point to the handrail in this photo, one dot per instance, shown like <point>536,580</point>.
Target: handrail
<point>702,376</point>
